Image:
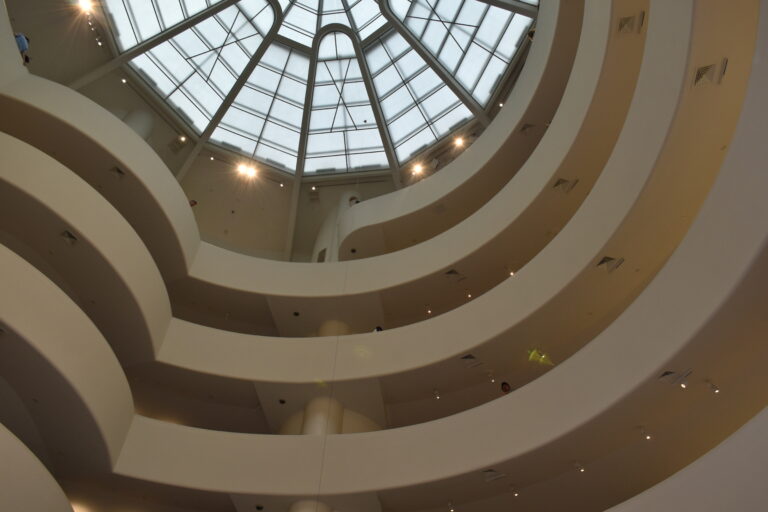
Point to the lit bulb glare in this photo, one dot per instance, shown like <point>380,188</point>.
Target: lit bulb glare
<point>212,159</point>
<point>417,169</point>
<point>281,185</point>
<point>458,142</point>
<point>648,437</point>
<point>246,171</point>
<point>713,387</point>
<point>469,295</point>
<point>314,188</point>
<point>450,507</point>
<point>511,273</point>
<point>124,80</point>
<point>580,468</point>
<point>501,104</point>
<point>437,394</point>
<point>684,385</point>
<point>429,311</point>
<point>85,5</point>
<point>182,138</point>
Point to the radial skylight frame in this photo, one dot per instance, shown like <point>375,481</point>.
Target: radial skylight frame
<point>273,138</point>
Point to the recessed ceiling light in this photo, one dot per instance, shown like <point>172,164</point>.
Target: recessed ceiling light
<point>85,5</point>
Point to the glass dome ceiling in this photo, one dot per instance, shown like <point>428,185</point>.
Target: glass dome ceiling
<point>323,86</point>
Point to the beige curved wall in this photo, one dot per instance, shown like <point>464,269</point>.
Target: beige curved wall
<point>735,469</point>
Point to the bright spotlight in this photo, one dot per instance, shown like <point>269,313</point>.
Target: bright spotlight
<point>458,142</point>
<point>417,169</point>
<point>85,5</point>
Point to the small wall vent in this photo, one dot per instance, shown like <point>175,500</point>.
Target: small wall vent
<point>609,263</point>
<point>470,361</point>
<point>704,75</point>
<point>489,475</point>
<point>69,237</point>
<point>564,185</point>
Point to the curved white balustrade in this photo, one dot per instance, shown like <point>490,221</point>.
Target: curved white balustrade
<point>36,490</point>
<point>582,407</point>
<point>719,334</point>
<point>60,364</point>
<point>86,246</point>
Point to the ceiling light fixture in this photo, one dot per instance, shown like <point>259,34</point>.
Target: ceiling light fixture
<point>417,169</point>
<point>247,171</point>
<point>580,468</point>
<point>458,142</point>
<point>85,5</point>
<point>182,138</point>
<point>501,104</point>
<point>436,393</point>
<point>713,387</point>
<point>124,80</point>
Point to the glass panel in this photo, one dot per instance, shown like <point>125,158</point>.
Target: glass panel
<point>473,40</point>
<point>135,21</point>
<point>195,70</point>
<point>265,119</point>
<point>413,99</point>
<point>343,134</point>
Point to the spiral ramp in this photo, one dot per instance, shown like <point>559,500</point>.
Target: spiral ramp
<point>143,368</point>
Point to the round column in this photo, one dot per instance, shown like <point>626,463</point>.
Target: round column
<point>323,415</point>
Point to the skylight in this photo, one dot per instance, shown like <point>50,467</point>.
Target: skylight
<point>323,86</point>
